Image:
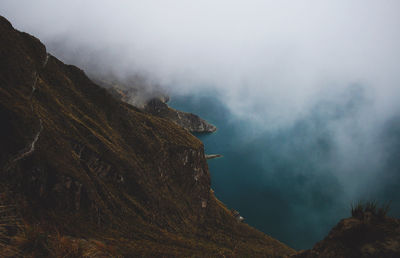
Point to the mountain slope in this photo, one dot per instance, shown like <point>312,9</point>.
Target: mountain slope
<point>368,233</point>
<point>90,175</point>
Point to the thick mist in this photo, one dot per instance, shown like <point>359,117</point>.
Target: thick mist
<point>297,182</point>
<point>314,84</point>
<point>273,59</point>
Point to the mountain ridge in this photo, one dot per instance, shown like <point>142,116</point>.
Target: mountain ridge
<point>84,174</point>
<point>100,176</point>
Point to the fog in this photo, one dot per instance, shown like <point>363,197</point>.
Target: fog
<point>277,65</point>
<point>274,59</point>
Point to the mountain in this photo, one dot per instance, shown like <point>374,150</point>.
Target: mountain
<point>85,174</point>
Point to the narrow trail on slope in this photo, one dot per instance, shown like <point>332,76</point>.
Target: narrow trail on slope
<point>31,149</point>
<point>27,151</point>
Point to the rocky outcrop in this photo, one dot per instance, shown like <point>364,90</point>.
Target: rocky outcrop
<point>101,173</point>
<point>213,156</point>
<point>189,121</point>
<point>150,98</point>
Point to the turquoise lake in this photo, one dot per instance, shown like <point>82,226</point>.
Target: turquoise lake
<point>279,180</point>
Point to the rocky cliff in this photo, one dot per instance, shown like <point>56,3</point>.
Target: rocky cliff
<point>84,174</point>
<point>189,121</point>
<point>151,98</point>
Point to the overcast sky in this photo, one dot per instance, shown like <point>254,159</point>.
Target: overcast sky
<point>274,58</point>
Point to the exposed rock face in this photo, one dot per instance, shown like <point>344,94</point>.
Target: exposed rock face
<point>213,156</point>
<point>157,105</point>
<point>189,121</point>
<point>86,170</point>
<point>359,237</point>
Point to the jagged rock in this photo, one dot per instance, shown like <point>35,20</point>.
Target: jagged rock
<point>189,121</point>
<point>213,156</point>
<point>158,106</point>
<point>237,216</point>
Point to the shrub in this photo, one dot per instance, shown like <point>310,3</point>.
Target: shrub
<point>359,209</point>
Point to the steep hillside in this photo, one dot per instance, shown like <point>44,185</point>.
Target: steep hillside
<point>368,233</point>
<point>83,173</point>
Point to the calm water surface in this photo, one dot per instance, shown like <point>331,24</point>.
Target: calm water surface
<point>282,182</point>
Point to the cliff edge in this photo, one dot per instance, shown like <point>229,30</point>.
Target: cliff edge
<point>85,174</point>
<point>150,98</point>
<point>189,121</point>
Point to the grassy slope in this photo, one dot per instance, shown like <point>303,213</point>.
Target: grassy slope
<point>104,177</point>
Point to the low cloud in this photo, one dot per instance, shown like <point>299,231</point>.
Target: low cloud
<point>331,65</point>
<point>274,59</point>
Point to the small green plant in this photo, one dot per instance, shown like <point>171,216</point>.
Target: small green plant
<point>359,209</point>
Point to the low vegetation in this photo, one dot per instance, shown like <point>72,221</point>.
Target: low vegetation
<point>105,179</point>
<point>361,209</point>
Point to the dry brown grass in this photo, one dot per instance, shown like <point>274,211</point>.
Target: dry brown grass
<point>10,226</point>
<point>157,207</point>
<point>359,209</point>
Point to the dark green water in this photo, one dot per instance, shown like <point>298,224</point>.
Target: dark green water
<point>282,181</point>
